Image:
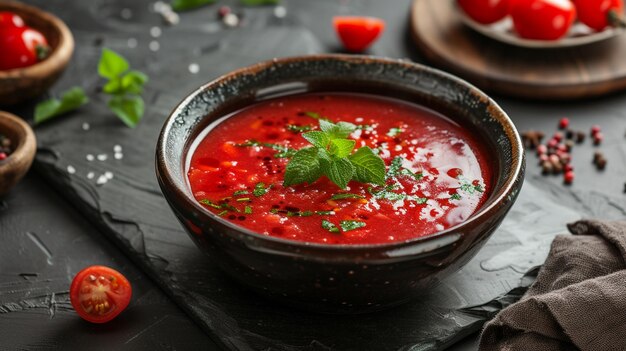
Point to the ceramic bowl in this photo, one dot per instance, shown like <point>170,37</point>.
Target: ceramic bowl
<point>20,84</point>
<point>24,145</point>
<point>339,278</point>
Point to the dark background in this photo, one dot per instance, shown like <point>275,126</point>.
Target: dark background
<point>54,224</point>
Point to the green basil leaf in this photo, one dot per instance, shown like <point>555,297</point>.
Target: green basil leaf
<point>129,109</point>
<point>133,82</point>
<point>184,5</point>
<point>111,64</point>
<point>329,226</point>
<point>317,138</point>
<point>70,100</point>
<point>339,171</point>
<point>303,167</point>
<point>341,147</point>
<point>113,86</point>
<point>348,225</point>
<point>369,167</point>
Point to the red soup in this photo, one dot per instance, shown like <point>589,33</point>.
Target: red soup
<point>435,173</point>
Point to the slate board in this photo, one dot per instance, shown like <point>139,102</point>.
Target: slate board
<point>132,213</point>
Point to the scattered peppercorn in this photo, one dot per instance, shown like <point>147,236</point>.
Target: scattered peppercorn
<point>580,137</point>
<point>568,177</point>
<point>563,123</point>
<point>595,129</point>
<point>223,11</point>
<point>5,147</point>
<point>569,134</point>
<point>601,164</point>
<point>569,144</point>
<point>597,138</point>
<point>532,138</point>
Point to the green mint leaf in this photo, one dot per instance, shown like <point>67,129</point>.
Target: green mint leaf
<point>298,129</point>
<point>317,138</point>
<point>346,196</point>
<point>128,108</point>
<point>339,170</point>
<point>241,192</point>
<point>184,5</point>
<point>329,226</point>
<point>133,82</point>
<point>341,147</point>
<point>259,2</point>
<point>70,100</point>
<point>247,210</point>
<point>260,189</point>
<point>111,64</point>
<point>369,167</point>
<point>340,130</point>
<point>303,167</point>
<point>393,132</point>
<point>113,86</point>
<point>348,225</point>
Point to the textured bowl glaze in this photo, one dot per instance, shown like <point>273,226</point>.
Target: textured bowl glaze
<point>339,278</point>
<point>20,84</point>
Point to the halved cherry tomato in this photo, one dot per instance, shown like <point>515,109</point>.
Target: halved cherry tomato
<point>99,293</point>
<point>485,11</point>
<point>21,47</point>
<point>542,19</point>
<point>358,33</point>
<point>9,20</point>
<point>596,14</point>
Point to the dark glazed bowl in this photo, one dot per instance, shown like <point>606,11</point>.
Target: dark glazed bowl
<point>339,278</point>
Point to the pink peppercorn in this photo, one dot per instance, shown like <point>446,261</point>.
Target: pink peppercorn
<point>563,123</point>
<point>552,143</point>
<point>3,156</point>
<point>558,136</point>
<point>568,168</point>
<point>568,177</point>
<point>595,129</point>
<point>542,149</point>
<point>597,138</point>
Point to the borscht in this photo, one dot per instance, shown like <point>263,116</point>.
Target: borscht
<point>339,168</point>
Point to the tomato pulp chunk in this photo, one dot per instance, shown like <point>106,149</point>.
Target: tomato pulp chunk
<point>441,172</point>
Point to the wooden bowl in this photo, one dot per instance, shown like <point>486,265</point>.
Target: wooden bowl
<point>20,84</point>
<point>24,144</point>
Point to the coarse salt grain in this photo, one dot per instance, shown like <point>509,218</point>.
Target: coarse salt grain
<point>118,155</point>
<point>126,13</point>
<point>86,126</point>
<point>194,68</point>
<point>117,148</point>
<point>280,11</point>
<point>155,32</point>
<point>90,175</point>
<point>132,43</point>
<point>101,180</point>
<point>102,157</point>
<point>154,45</point>
<point>90,157</point>
<point>108,175</point>
<point>71,169</point>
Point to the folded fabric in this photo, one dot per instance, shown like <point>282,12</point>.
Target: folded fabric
<point>578,301</point>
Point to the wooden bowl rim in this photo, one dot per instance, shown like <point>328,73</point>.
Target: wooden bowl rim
<point>60,55</point>
<point>26,145</point>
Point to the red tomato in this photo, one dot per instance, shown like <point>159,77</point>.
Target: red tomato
<point>485,11</point>
<point>9,19</point>
<point>21,47</point>
<point>596,13</point>
<point>99,293</point>
<point>358,33</point>
<point>542,19</point>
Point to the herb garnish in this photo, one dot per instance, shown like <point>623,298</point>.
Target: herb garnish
<point>247,210</point>
<point>395,169</point>
<point>124,87</point>
<point>346,196</point>
<point>243,199</point>
<point>331,155</point>
<point>301,213</point>
<point>468,187</point>
<point>387,193</point>
<point>241,192</point>
<point>299,129</point>
<point>455,196</point>
<point>348,225</point>
<point>329,226</point>
<point>70,100</point>
<point>283,151</point>
<point>184,5</point>
<point>260,189</point>
<point>393,132</point>
<point>222,206</point>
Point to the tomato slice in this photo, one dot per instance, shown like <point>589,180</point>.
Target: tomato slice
<point>358,33</point>
<point>99,293</point>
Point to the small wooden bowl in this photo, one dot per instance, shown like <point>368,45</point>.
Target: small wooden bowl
<point>24,144</point>
<point>20,84</point>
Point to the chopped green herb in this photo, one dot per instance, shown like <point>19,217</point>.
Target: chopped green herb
<point>222,213</point>
<point>324,213</point>
<point>260,189</point>
<point>299,129</point>
<point>329,226</point>
<point>455,196</point>
<point>184,5</point>
<point>315,115</point>
<point>247,210</point>
<point>283,151</point>
<point>348,225</point>
<point>70,100</point>
<point>241,192</point>
<point>346,196</point>
<point>393,132</point>
<point>243,199</point>
<point>222,206</point>
<point>468,187</point>
<point>396,169</point>
<point>210,203</point>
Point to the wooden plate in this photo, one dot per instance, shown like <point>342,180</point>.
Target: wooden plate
<point>549,74</point>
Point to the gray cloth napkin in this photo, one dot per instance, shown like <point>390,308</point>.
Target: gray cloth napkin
<point>578,301</point>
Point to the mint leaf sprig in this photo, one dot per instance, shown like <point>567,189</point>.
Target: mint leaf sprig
<point>71,99</point>
<point>331,155</point>
<point>124,86</point>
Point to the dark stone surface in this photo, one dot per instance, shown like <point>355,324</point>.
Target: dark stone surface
<point>130,210</point>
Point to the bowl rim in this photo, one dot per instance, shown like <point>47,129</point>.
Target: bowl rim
<point>511,186</point>
<point>59,56</point>
<point>25,146</point>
